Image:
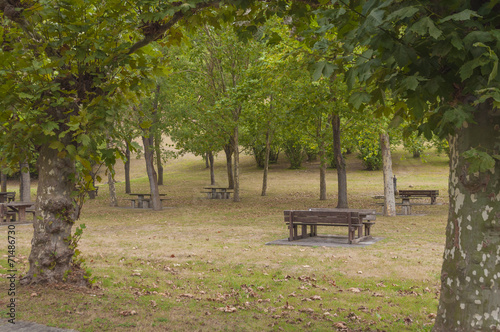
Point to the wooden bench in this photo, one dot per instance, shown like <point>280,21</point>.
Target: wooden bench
<point>218,194</point>
<point>407,194</point>
<point>368,216</point>
<point>312,219</point>
<point>5,214</point>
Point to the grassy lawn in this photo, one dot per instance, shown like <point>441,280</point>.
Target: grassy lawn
<point>202,265</point>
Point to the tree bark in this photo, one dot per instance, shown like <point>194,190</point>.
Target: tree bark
<point>112,189</point>
<point>55,214</point>
<point>266,161</point>
<point>389,199</point>
<point>128,190</point>
<point>159,164</point>
<point>322,170</point>
<point>236,196</point>
<point>470,276</point>
<point>25,182</point>
<point>210,160</point>
<point>228,149</point>
<point>155,202</point>
<point>341,166</point>
<point>3,180</point>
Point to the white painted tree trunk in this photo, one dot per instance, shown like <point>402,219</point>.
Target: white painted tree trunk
<point>470,277</point>
<point>25,183</point>
<point>389,199</point>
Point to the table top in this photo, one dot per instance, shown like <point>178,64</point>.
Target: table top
<point>225,188</point>
<point>5,193</point>
<point>20,204</point>
<point>362,211</point>
<point>147,194</point>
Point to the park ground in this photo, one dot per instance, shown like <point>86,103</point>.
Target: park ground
<point>203,265</point>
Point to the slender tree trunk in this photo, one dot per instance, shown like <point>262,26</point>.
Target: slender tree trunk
<point>159,164</point>
<point>322,170</point>
<point>25,183</point>
<point>128,190</point>
<point>210,159</point>
<point>3,180</point>
<point>236,197</point>
<point>389,199</point>
<point>111,180</point>
<point>228,149</point>
<point>206,158</point>
<point>155,202</point>
<point>470,276</point>
<point>55,213</point>
<point>341,166</point>
<point>266,160</point>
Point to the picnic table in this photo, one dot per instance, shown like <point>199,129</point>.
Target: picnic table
<point>367,215</point>
<point>217,192</point>
<point>313,218</point>
<point>408,198</point>
<point>142,200</point>
<point>7,196</point>
<point>19,208</point>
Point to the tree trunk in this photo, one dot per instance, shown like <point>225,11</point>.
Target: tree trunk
<point>112,189</point>
<point>210,159</point>
<point>322,170</point>
<point>236,197</point>
<point>128,190</point>
<point>159,164</point>
<point>266,161</point>
<point>341,166</point>
<point>470,277</point>
<point>3,180</point>
<point>155,202</point>
<point>55,213</point>
<point>206,158</point>
<point>25,183</point>
<point>228,149</point>
<point>389,199</point>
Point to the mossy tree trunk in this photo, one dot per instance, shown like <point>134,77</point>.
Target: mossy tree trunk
<point>470,277</point>
<point>55,213</point>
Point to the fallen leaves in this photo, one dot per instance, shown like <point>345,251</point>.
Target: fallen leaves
<point>227,309</point>
<point>128,313</point>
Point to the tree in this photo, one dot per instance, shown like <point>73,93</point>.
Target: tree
<point>440,64</point>
<point>59,63</point>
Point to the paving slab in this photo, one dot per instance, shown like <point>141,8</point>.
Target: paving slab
<point>23,326</point>
<point>325,241</point>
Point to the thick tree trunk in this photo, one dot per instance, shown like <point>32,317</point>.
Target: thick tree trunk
<point>236,197</point>
<point>128,190</point>
<point>228,149</point>
<point>210,159</point>
<point>3,180</point>
<point>266,161</point>
<point>341,166</point>
<point>389,199</point>
<point>470,277</point>
<point>159,164</point>
<point>155,202</point>
<point>55,214</point>
<point>322,170</point>
<point>25,183</point>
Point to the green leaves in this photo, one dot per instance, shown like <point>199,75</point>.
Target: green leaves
<point>426,26</point>
<point>464,15</point>
<point>480,161</point>
<point>323,68</point>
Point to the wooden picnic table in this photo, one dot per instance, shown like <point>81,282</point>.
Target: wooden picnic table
<point>141,201</point>
<point>20,208</point>
<point>367,215</point>
<point>217,192</point>
<point>7,196</point>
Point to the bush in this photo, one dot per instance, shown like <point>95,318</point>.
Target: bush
<point>370,152</point>
<point>295,153</point>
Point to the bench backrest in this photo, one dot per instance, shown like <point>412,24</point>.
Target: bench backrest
<point>3,210</point>
<point>322,217</point>
<point>425,193</point>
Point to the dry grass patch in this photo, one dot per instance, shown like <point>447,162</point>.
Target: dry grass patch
<point>203,264</point>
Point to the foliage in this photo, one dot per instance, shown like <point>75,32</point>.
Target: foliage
<point>369,150</point>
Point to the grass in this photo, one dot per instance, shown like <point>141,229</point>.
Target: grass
<point>203,264</point>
